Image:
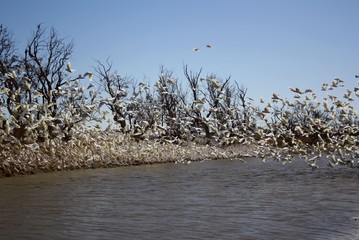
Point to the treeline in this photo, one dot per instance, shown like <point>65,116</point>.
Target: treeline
<point>42,98</point>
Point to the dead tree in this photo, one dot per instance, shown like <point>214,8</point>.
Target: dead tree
<point>215,90</point>
<point>38,85</point>
<point>116,87</point>
<point>49,84</point>
<point>196,110</point>
<point>170,99</point>
<point>9,59</point>
<point>9,63</point>
<point>45,62</point>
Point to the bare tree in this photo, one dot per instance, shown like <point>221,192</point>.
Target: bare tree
<point>246,113</point>
<point>215,96</point>
<point>45,62</point>
<point>38,86</point>
<point>193,81</point>
<point>9,63</point>
<point>116,87</point>
<point>196,110</point>
<point>171,100</point>
<point>8,56</point>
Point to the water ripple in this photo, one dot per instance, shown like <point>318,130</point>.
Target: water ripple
<point>214,199</point>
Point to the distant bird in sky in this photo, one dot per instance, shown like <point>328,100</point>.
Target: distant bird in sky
<point>197,49</point>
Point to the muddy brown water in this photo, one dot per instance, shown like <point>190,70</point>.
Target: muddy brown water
<point>203,200</point>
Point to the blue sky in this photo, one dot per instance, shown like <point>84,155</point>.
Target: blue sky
<point>265,45</point>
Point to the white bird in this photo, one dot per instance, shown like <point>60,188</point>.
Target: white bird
<point>87,74</point>
<point>68,68</point>
<point>266,110</point>
<point>215,83</point>
<point>27,86</point>
<point>90,86</point>
<point>143,86</point>
<point>324,87</point>
<point>275,97</point>
<point>38,94</point>
<point>170,81</point>
<point>199,101</point>
<point>14,75</point>
<point>296,90</point>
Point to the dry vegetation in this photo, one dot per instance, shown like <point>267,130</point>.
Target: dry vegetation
<point>102,150</point>
<point>50,116</point>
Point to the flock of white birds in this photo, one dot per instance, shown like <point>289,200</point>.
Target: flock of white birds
<point>328,128</point>
<point>305,127</point>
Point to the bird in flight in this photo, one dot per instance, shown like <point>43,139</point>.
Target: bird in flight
<point>197,49</point>
<point>69,69</point>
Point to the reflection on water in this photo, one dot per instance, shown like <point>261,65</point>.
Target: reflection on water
<point>213,199</point>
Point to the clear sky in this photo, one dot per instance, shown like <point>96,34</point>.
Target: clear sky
<point>266,45</point>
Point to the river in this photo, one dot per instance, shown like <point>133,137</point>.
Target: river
<point>221,199</point>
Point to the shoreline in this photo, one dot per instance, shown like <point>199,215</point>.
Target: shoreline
<point>109,153</point>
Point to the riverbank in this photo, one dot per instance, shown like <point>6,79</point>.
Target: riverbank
<point>107,150</point>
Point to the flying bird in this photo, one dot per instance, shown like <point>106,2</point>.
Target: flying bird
<point>296,90</point>
<point>209,46</point>
<point>275,97</point>
<point>68,68</point>
<point>196,49</point>
<point>170,81</point>
<point>87,74</point>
